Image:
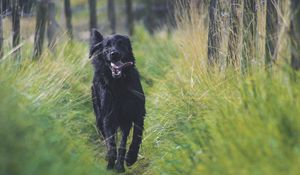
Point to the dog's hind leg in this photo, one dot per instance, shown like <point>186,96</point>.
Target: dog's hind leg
<point>96,106</point>
<point>133,151</point>
<point>100,126</point>
<point>122,149</point>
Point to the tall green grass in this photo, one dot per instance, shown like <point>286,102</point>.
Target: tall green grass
<point>223,121</point>
<point>45,117</point>
<point>47,125</point>
<point>227,125</point>
<point>198,122</point>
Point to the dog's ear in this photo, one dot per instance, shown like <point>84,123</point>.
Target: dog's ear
<point>129,48</point>
<point>96,39</point>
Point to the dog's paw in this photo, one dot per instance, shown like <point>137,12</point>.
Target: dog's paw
<point>110,166</point>
<point>131,158</point>
<point>120,168</point>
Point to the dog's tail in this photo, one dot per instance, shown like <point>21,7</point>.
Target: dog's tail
<point>132,154</point>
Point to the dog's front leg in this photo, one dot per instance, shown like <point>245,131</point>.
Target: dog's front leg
<point>122,149</point>
<point>133,151</point>
<point>110,134</point>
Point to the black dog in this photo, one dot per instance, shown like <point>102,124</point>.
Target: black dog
<point>118,97</point>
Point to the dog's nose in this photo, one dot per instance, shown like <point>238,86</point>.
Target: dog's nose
<point>115,56</point>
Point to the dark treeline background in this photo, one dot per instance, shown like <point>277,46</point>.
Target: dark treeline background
<point>154,14</point>
<point>235,19</point>
<point>39,19</point>
<point>221,86</point>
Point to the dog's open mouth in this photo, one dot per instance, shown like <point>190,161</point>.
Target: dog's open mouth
<point>117,67</point>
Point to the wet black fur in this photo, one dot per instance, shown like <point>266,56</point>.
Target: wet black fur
<point>118,103</point>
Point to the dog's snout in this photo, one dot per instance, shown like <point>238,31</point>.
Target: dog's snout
<point>115,55</point>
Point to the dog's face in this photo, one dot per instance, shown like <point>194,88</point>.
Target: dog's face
<point>114,52</point>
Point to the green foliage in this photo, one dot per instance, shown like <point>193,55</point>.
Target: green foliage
<point>229,124</point>
<point>39,100</point>
<point>154,55</point>
<point>47,125</point>
<point>196,123</point>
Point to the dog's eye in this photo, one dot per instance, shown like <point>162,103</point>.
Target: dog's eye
<point>106,52</point>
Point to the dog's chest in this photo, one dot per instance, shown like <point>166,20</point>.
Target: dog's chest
<point>126,107</point>
<point>121,98</point>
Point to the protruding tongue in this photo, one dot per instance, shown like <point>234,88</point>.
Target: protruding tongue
<point>120,65</point>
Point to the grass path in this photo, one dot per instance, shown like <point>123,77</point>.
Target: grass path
<point>47,123</point>
<point>196,122</point>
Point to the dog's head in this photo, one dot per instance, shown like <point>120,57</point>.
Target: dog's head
<point>114,52</point>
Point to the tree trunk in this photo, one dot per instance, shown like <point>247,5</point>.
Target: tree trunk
<point>41,19</point>
<point>52,26</point>
<point>250,28</point>
<point>16,26</point>
<point>214,33</point>
<point>111,15</point>
<point>295,35</point>
<point>261,11</point>
<point>1,31</point>
<point>272,31</point>
<point>93,15</point>
<point>236,33</point>
<point>130,20</point>
<point>27,6</point>
<point>68,15</point>
<point>149,23</point>
<point>171,20</point>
